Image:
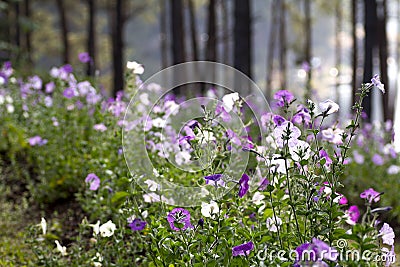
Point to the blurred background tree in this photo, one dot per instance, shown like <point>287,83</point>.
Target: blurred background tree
<point>283,44</point>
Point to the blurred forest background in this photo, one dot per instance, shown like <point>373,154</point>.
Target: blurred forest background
<point>314,48</point>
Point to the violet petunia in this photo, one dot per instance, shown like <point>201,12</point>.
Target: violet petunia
<point>179,216</point>
<point>243,249</point>
<point>93,180</point>
<point>243,185</point>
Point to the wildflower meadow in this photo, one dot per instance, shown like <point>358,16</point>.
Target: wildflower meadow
<point>157,179</point>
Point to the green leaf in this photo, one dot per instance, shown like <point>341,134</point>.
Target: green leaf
<point>119,197</point>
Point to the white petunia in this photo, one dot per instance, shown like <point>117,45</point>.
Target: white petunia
<point>299,151</point>
<point>257,198</point>
<point>96,228</point>
<point>152,185</point>
<point>182,157</point>
<point>61,249</point>
<point>209,210</point>
<point>43,223</point>
<point>328,107</point>
<point>107,229</point>
<point>135,67</point>
<point>229,100</point>
<point>273,225</point>
<point>393,169</point>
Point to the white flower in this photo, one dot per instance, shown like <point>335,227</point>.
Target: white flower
<point>229,100</point>
<point>328,106</point>
<point>277,164</point>
<point>61,249</point>
<point>135,67</point>
<point>301,150</point>
<point>257,198</point>
<point>10,108</point>
<point>272,226</point>
<point>209,210</point>
<point>107,229</point>
<point>2,99</point>
<point>144,98</point>
<point>43,223</point>
<point>387,234</point>
<point>152,185</point>
<point>393,169</point>
<point>206,136</point>
<point>182,157</point>
<point>145,214</point>
<point>158,122</point>
<point>97,260</point>
<point>9,99</point>
<point>96,228</point>
<point>151,197</point>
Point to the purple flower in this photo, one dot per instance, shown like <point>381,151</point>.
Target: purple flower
<point>37,141</point>
<point>243,249</point>
<point>376,81</point>
<point>302,117</point>
<point>378,160</point>
<point>352,215</point>
<point>315,252</point>
<point>181,217</point>
<point>283,96</point>
<point>263,185</point>
<point>35,82</point>
<point>243,185</point>
<point>49,88</point>
<point>278,120</point>
<point>100,127</point>
<point>84,57</point>
<point>67,68</point>
<point>324,154</point>
<point>358,158</point>
<point>213,177</point>
<point>370,195</point>
<point>286,130</point>
<point>93,180</point>
<point>137,225</point>
<point>69,93</point>
<point>193,124</point>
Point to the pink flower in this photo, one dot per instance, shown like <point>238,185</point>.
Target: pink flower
<point>370,195</point>
<point>100,127</point>
<point>352,215</point>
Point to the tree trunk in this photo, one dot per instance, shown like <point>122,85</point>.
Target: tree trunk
<point>193,31</point>
<point>178,40</point>
<point>91,41</point>
<point>271,48</point>
<point>307,48</point>
<point>28,35</point>
<point>283,44</point>
<point>64,30</point>
<point>354,82</point>
<point>17,26</point>
<point>211,54</point>
<point>225,32</point>
<point>387,105</point>
<point>117,30</point>
<point>178,33</point>
<point>242,42</point>
<point>163,34</point>
<point>338,52</point>
<point>369,43</point>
